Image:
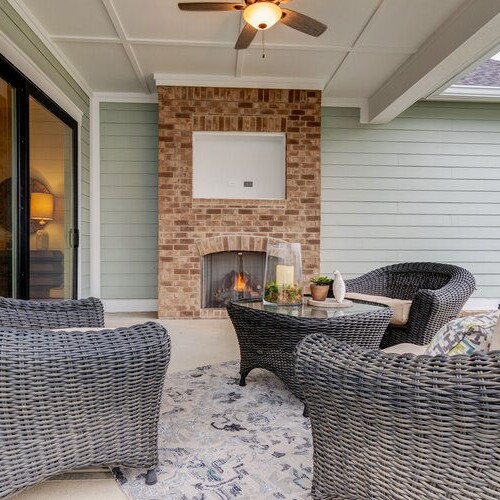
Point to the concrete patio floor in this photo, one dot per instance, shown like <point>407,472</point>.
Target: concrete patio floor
<point>194,343</point>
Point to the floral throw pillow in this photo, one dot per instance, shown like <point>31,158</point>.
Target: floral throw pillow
<point>464,336</point>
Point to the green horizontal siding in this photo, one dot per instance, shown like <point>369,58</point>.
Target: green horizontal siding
<point>129,200</point>
<point>424,187</point>
<point>12,25</point>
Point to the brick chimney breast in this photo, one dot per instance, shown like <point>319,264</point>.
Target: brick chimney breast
<point>190,228</point>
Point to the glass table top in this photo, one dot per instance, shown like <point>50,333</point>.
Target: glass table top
<point>307,311</point>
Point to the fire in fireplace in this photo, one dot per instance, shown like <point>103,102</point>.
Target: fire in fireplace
<point>231,276</point>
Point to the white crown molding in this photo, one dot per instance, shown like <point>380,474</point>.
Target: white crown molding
<point>162,79</point>
<point>24,64</point>
<point>40,32</point>
<point>468,93</point>
<point>125,97</point>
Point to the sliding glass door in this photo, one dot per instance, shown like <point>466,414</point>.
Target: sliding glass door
<point>38,210</point>
<point>8,209</point>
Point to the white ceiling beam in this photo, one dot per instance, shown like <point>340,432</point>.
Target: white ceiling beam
<point>365,49</point>
<point>115,19</point>
<point>463,39</point>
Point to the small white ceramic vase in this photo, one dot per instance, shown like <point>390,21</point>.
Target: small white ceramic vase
<point>338,287</point>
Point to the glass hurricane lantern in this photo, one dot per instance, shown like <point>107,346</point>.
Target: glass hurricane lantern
<point>283,274</point>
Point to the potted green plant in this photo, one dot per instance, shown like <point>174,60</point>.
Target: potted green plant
<point>319,287</point>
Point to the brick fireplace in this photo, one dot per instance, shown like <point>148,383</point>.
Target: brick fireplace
<point>190,228</point>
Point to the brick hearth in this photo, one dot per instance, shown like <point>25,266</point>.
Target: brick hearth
<point>189,229</point>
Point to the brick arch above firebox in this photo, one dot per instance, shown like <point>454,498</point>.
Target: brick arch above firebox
<point>231,243</point>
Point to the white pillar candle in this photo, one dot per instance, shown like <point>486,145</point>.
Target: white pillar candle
<point>285,275</point>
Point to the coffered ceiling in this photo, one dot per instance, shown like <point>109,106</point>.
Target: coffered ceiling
<point>121,45</point>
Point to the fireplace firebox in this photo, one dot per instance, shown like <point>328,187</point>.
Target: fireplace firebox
<point>231,276</point>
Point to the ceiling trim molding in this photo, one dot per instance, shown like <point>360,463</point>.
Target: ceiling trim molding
<point>28,67</point>
<point>41,33</point>
<point>164,79</point>
<point>125,97</point>
<point>85,39</point>
<point>368,49</point>
<point>462,40</point>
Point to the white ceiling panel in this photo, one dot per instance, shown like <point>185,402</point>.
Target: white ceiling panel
<point>72,17</point>
<point>345,20</point>
<point>407,23</point>
<point>105,66</point>
<point>290,64</point>
<point>362,74</point>
<point>163,20</point>
<point>189,60</point>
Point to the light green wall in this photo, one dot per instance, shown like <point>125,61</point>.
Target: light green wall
<point>129,200</point>
<point>425,187</point>
<point>21,34</point>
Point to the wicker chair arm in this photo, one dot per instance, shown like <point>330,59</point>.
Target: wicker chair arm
<point>415,426</point>
<point>432,309</point>
<point>73,399</point>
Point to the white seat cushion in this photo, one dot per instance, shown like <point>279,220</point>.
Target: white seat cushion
<point>400,308</point>
<point>406,349</point>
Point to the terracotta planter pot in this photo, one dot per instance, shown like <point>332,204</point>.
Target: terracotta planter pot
<point>319,292</point>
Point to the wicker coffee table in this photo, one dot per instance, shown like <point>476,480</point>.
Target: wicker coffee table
<point>269,334</point>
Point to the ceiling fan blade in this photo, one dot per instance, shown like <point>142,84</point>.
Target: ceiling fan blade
<point>246,36</point>
<point>212,6</point>
<point>303,23</point>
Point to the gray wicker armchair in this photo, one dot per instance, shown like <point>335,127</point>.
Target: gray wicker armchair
<point>401,427</point>
<point>438,293</point>
<point>51,314</point>
<point>74,399</point>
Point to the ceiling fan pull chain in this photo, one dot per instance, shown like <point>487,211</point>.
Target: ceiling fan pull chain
<point>263,46</point>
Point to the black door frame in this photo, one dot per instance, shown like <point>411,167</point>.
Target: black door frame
<point>25,89</point>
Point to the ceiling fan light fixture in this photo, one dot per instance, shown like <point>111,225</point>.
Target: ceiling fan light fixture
<point>262,15</point>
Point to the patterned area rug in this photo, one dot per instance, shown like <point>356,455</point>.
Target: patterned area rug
<point>218,440</point>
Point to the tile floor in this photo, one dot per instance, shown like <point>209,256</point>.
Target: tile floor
<point>194,343</point>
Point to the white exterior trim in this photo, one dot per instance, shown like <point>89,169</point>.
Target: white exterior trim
<point>130,305</point>
<point>95,198</point>
<point>237,82</point>
<point>26,66</point>
<point>468,93</point>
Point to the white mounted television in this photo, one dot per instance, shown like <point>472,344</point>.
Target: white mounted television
<point>239,165</point>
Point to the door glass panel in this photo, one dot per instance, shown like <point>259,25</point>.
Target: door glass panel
<point>8,210</point>
<point>51,204</point>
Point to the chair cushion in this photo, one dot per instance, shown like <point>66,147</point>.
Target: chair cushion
<point>406,349</point>
<point>495,338</point>
<point>400,308</point>
<point>464,336</point>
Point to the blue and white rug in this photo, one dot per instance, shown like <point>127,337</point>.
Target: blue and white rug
<point>220,441</point>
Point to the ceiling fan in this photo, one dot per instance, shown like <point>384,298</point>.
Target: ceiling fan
<point>260,15</point>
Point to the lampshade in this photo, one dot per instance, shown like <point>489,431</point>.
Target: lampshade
<point>42,206</point>
<point>262,15</point>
